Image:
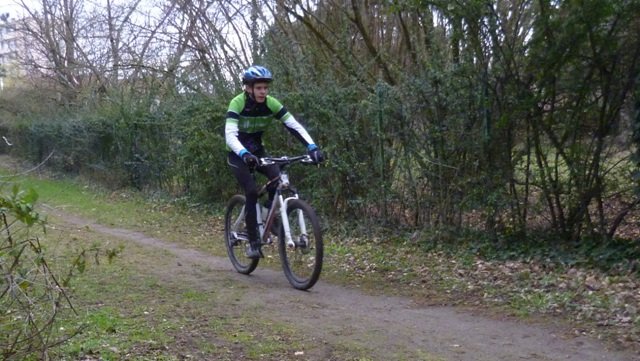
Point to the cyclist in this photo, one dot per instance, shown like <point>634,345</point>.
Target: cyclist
<point>249,115</point>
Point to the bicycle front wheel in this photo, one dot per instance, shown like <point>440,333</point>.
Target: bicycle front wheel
<point>236,237</point>
<point>302,260</point>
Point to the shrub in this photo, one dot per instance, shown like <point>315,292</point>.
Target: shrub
<point>31,295</point>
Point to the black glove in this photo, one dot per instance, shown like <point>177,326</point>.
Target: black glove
<point>316,155</point>
<point>250,160</point>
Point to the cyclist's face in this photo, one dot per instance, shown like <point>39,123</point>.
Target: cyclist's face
<point>259,91</point>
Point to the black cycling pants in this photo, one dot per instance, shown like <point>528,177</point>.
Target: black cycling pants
<point>248,184</point>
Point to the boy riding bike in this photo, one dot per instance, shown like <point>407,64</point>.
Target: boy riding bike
<point>249,115</point>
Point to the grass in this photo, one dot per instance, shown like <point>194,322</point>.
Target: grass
<point>115,312</point>
<point>123,208</point>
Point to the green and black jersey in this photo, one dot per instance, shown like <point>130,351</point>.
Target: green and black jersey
<point>247,120</point>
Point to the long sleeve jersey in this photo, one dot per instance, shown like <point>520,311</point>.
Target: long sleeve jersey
<point>247,120</point>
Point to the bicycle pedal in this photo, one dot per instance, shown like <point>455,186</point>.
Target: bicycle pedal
<point>239,236</point>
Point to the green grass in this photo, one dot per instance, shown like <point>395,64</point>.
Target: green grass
<point>108,333</point>
<point>112,300</point>
<point>125,209</point>
<point>80,198</point>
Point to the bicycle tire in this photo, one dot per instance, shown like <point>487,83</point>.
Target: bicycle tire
<point>235,236</point>
<point>302,264</point>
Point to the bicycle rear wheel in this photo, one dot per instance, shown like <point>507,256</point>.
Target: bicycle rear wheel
<point>236,237</point>
<point>302,263</point>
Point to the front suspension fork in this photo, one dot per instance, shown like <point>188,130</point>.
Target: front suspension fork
<point>285,220</point>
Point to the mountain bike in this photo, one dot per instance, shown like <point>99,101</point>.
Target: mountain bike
<point>290,220</point>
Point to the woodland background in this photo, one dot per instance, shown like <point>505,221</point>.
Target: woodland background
<point>508,121</point>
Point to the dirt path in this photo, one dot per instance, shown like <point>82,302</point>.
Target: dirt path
<point>392,328</point>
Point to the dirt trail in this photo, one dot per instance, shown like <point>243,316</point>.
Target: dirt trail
<point>392,327</point>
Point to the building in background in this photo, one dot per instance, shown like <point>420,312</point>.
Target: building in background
<point>9,45</point>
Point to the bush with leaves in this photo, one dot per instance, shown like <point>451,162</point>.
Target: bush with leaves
<point>31,295</point>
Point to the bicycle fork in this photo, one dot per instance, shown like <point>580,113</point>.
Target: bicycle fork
<point>299,217</point>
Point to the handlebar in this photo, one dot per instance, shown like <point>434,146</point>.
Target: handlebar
<point>286,160</point>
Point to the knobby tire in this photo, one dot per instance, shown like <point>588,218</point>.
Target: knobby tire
<point>236,247</point>
<point>302,265</point>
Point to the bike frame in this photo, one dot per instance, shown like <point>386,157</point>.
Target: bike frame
<point>279,207</point>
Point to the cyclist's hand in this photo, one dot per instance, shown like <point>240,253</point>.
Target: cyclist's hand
<point>250,160</point>
<point>316,155</point>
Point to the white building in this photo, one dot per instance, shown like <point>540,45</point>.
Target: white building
<point>9,45</point>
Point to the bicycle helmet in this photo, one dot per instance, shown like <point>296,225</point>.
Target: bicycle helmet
<point>256,74</point>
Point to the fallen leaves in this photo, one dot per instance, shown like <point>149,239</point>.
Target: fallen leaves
<point>600,304</point>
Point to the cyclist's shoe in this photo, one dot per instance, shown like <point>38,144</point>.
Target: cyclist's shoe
<point>254,252</point>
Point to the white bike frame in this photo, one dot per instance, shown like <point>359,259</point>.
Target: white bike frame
<point>281,207</point>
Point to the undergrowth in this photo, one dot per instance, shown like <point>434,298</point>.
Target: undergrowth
<point>615,256</point>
